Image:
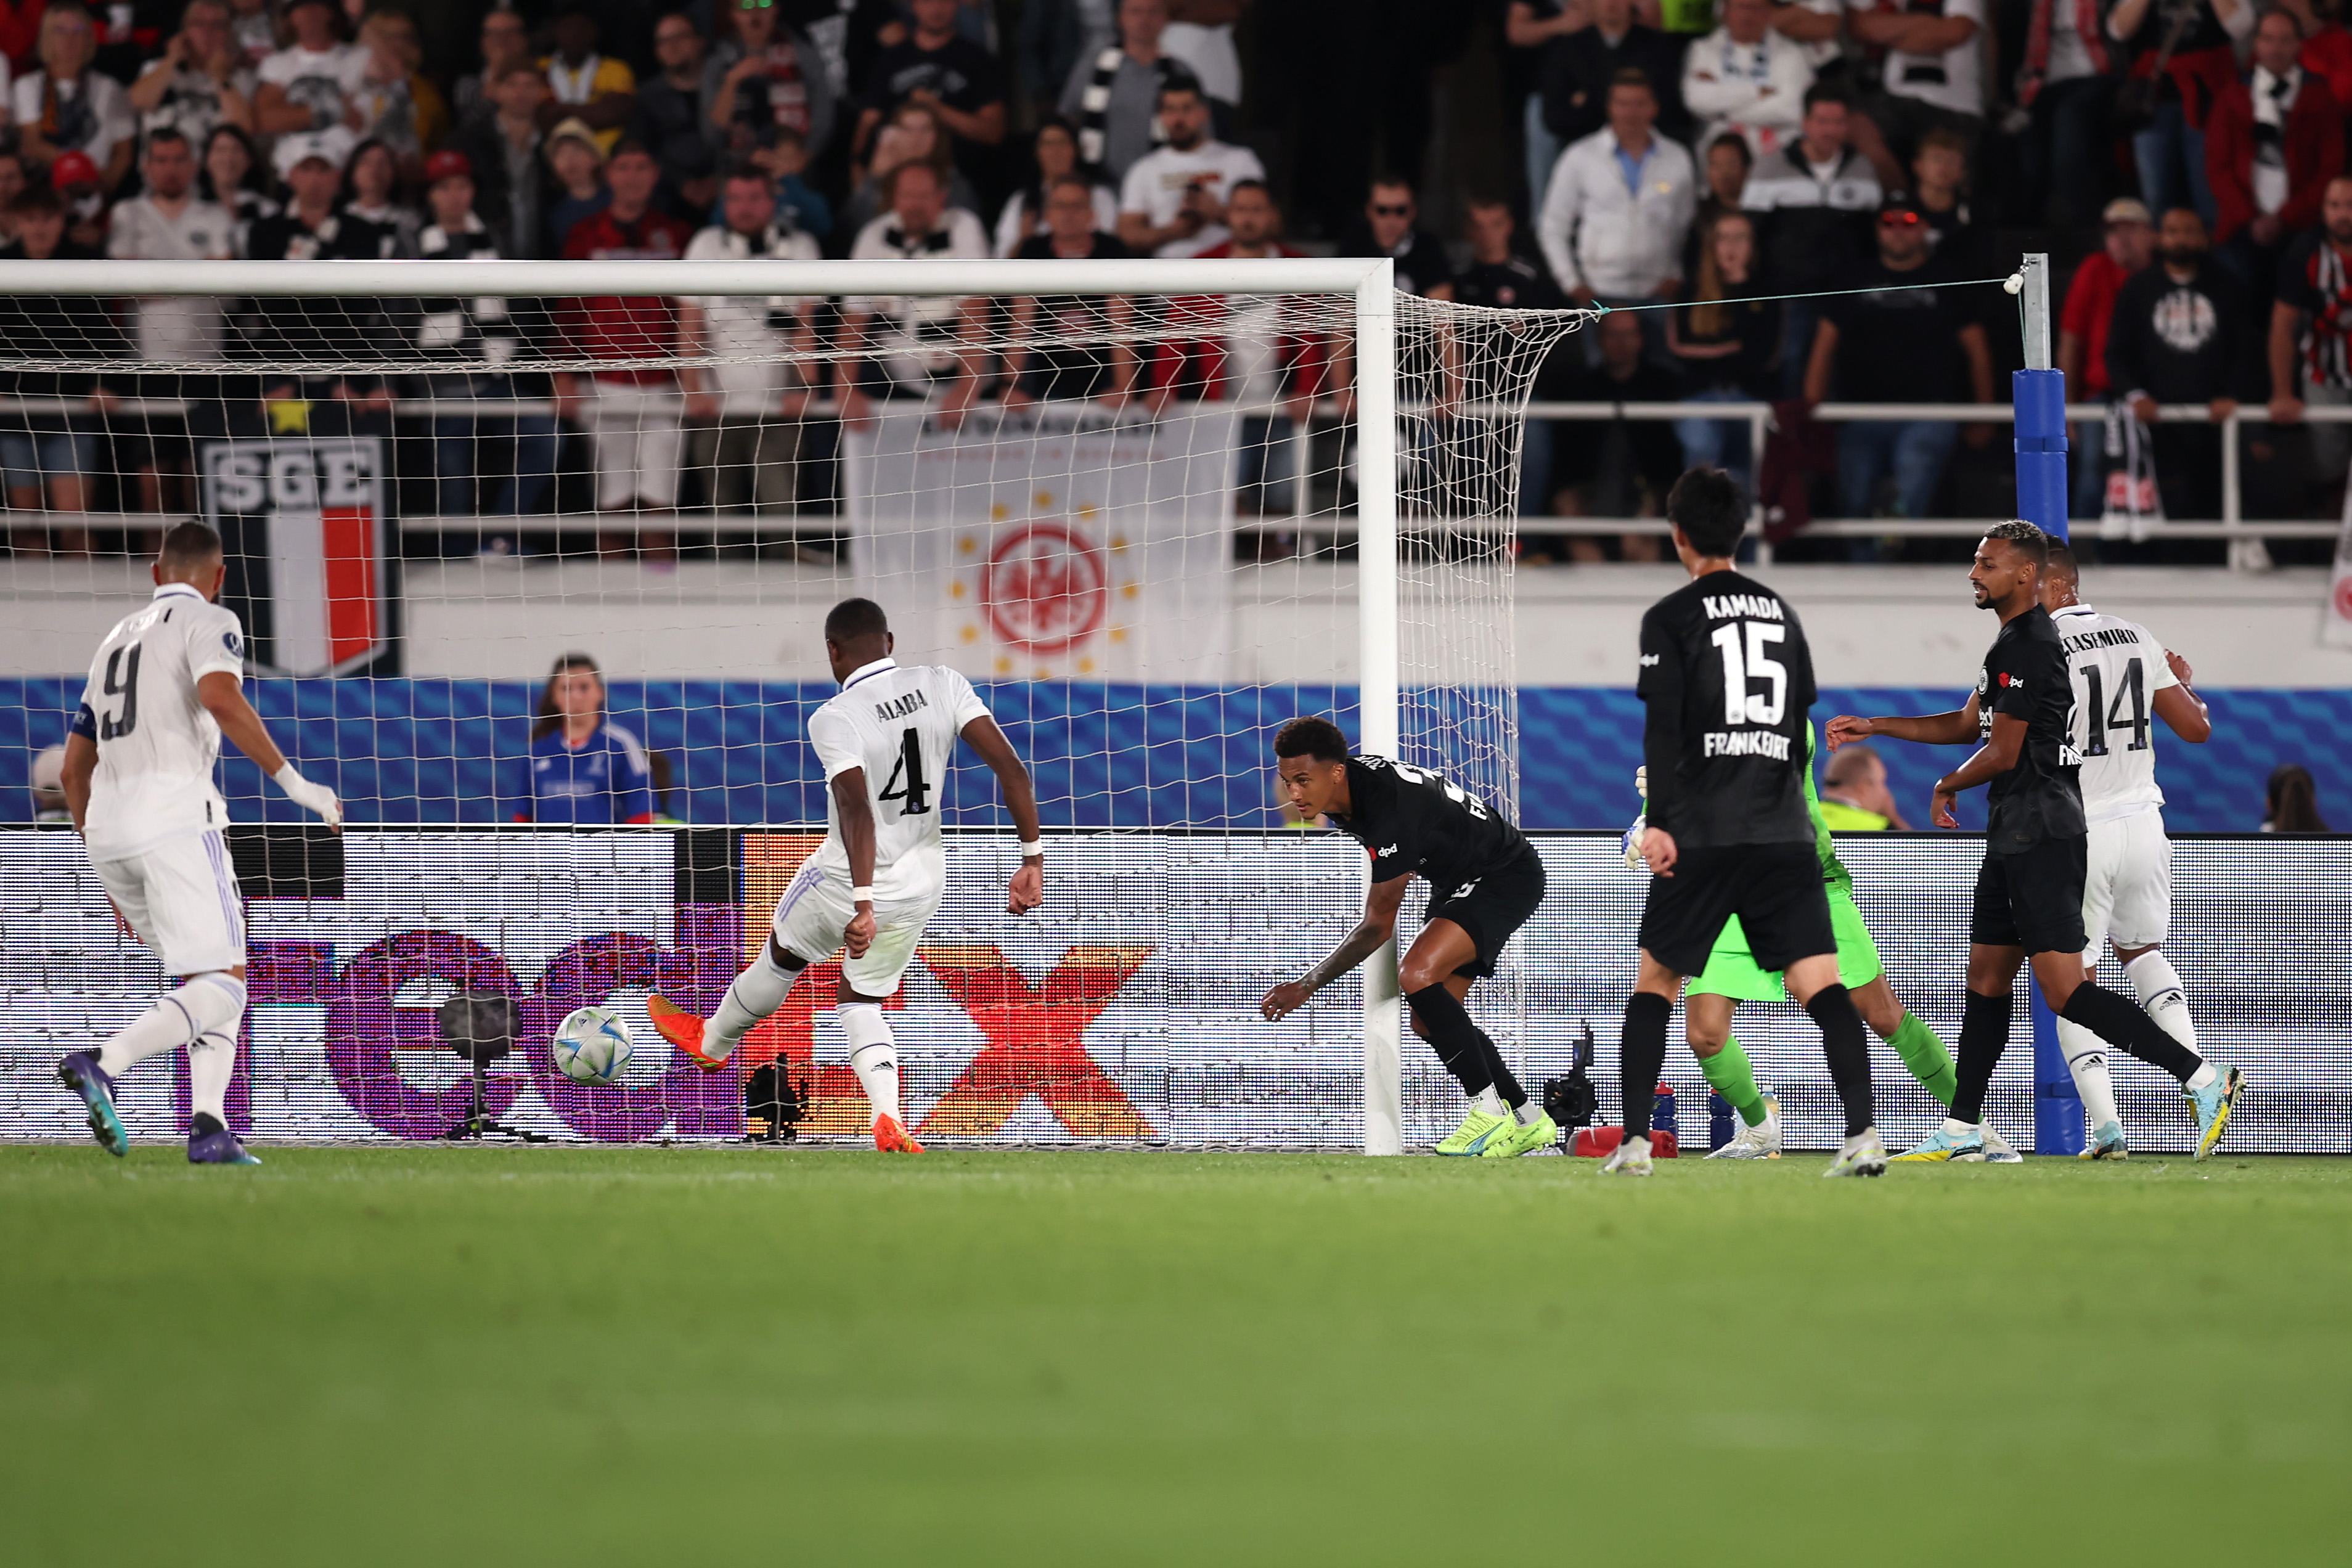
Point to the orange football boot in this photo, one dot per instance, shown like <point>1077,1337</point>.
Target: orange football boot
<point>682,1029</point>
<point>892,1138</point>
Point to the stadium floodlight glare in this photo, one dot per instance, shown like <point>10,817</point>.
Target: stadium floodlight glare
<point>1079,556</point>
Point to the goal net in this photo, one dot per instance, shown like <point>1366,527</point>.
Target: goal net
<point>533,561</point>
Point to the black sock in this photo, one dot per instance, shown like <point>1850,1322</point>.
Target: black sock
<point>204,1124</point>
<point>1984,1034</point>
<point>1506,1082</point>
<point>1640,1058</point>
<point>1848,1049</point>
<point>2120,1021</point>
<point>1459,1043</point>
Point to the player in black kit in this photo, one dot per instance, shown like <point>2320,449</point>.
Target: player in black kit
<point>2029,893</point>
<point>1485,881</point>
<point>1728,683</point>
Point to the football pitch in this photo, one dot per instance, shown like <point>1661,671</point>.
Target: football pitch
<point>657,1355</point>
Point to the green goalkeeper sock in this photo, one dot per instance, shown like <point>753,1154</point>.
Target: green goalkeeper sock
<point>1730,1075</point>
<point>1922,1050</point>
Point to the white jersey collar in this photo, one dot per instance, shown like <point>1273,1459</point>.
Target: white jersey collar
<point>177,588</point>
<point>863,671</point>
<point>2077,609</point>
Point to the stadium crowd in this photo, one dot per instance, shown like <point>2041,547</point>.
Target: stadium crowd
<point>2183,159</point>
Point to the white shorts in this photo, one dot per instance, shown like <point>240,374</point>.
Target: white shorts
<point>816,908</point>
<point>182,899</point>
<point>2128,891</point>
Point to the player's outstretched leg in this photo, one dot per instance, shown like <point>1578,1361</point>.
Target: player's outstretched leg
<point>2087,1063</point>
<point>755,995</point>
<point>207,1004</point>
<point>2212,1092</point>
<point>875,1056</point>
<point>1641,1057</point>
<point>80,1073</point>
<point>1440,1017</point>
<point>1731,1075</point>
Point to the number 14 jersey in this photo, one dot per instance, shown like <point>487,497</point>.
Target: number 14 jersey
<point>900,725</point>
<point>2118,668</point>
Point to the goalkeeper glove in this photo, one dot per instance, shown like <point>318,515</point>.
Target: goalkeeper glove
<point>1642,780</point>
<point>309,796</point>
<point>1633,841</point>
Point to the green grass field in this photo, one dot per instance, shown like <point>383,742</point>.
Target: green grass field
<point>654,1355</point>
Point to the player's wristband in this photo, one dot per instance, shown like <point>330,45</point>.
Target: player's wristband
<point>1033,849</point>
<point>288,777</point>
<point>861,895</point>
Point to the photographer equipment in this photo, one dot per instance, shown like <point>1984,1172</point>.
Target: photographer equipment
<point>479,1025</point>
<point>772,1106</point>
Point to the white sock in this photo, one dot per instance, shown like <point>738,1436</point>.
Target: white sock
<point>873,1055</point>
<point>182,1018</point>
<point>1487,1101</point>
<point>1529,1115</point>
<point>2157,985</point>
<point>1956,1127</point>
<point>755,995</point>
<point>212,1061</point>
<point>2086,1058</point>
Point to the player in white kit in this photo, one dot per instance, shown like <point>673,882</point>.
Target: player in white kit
<point>874,884</point>
<point>163,690</point>
<point>2124,681</point>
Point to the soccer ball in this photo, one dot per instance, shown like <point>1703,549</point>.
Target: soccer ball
<point>592,1045</point>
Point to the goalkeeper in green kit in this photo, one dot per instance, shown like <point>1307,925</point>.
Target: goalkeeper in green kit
<point>1731,977</point>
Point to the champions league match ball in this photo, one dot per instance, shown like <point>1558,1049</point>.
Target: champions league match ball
<point>592,1045</point>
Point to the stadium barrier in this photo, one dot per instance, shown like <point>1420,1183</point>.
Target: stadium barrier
<point>1123,1013</point>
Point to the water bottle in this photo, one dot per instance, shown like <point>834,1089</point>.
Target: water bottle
<point>1719,1128</point>
<point>1661,1112</point>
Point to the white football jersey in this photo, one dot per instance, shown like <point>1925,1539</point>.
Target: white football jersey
<point>156,743</point>
<point>2118,668</point>
<point>900,725</point>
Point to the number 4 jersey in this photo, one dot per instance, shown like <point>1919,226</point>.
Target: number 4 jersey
<point>2118,670</point>
<point>1728,682</point>
<point>156,743</point>
<point>900,725</point>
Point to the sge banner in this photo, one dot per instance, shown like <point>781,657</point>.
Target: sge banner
<point>1124,1012</point>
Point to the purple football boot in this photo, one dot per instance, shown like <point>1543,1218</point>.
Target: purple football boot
<point>210,1143</point>
<point>80,1073</point>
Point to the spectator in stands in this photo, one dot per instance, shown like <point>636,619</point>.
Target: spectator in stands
<point>2327,47</point>
<point>1931,80</point>
<point>1728,345</point>
<point>1939,178</point>
<point>2067,89</point>
<point>584,770</point>
<point>474,331</point>
<point>1172,202</point>
<point>2129,247</point>
<point>672,120</point>
<point>1855,796</point>
<point>2272,145</point>
<point>1391,227</point>
<point>1501,279</point>
<point>1620,205</point>
<point>82,188</point>
<point>580,191</point>
<point>767,79</point>
<point>254,28</point>
<point>231,177</point>
<point>2182,333</point>
<point>937,67</point>
<point>12,180</point>
<point>51,449</point>
<point>744,414</point>
<point>2311,330</point>
<point>1532,29</point>
<point>632,413</point>
<point>199,82</point>
<point>1113,93</point>
<point>1054,36</point>
<point>167,221</point>
<point>1199,35</point>
<point>2292,801</point>
<point>398,103</point>
<point>505,41</point>
<point>1897,344</point>
<point>313,84</point>
<point>1748,77</point>
<point>501,144</point>
<point>67,107</point>
<point>597,90</point>
<point>1728,166</point>
<point>2196,40</point>
<point>1085,353</point>
<point>913,136</point>
<point>922,346</point>
<point>1579,67</point>
<point>798,203</point>
<point>1813,199</point>
<point>281,329</point>
<point>376,224</point>
<point>1619,467</point>
<point>1056,154</point>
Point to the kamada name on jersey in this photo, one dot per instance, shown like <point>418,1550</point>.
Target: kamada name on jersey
<point>899,707</point>
<point>1737,606</point>
<point>1746,743</point>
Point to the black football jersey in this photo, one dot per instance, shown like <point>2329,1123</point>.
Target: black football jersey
<point>1728,682</point>
<point>2026,676</point>
<point>1412,820</point>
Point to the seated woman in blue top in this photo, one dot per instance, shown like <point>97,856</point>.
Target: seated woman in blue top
<point>584,768</point>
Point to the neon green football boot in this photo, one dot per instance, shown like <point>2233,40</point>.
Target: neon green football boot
<point>1516,1139</point>
<point>1476,1129</point>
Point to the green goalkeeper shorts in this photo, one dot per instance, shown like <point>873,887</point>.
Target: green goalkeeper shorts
<point>1732,970</point>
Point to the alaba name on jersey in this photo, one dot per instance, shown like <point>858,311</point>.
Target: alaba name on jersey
<point>2118,670</point>
<point>156,743</point>
<point>899,724</point>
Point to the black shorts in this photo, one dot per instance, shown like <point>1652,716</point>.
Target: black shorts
<point>2033,900</point>
<point>1492,908</point>
<point>1774,889</point>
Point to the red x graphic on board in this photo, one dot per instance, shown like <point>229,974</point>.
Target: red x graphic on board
<point>1036,1041</point>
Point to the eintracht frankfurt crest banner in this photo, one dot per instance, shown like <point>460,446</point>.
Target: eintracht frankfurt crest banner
<point>1055,544</point>
<point>305,522</point>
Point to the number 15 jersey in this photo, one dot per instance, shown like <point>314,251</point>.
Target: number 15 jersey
<point>1728,680</point>
<point>2118,670</point>
<point>900,725</point>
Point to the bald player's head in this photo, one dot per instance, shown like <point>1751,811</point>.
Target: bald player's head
<point>2062,579</point>
<point>1855,767</point>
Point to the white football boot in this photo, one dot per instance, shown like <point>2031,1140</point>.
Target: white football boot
<point>1632,1158</point>
<point>1761,1141</point>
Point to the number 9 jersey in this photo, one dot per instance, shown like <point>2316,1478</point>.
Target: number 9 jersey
<point>156,743</point>
<point>900,725</point>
